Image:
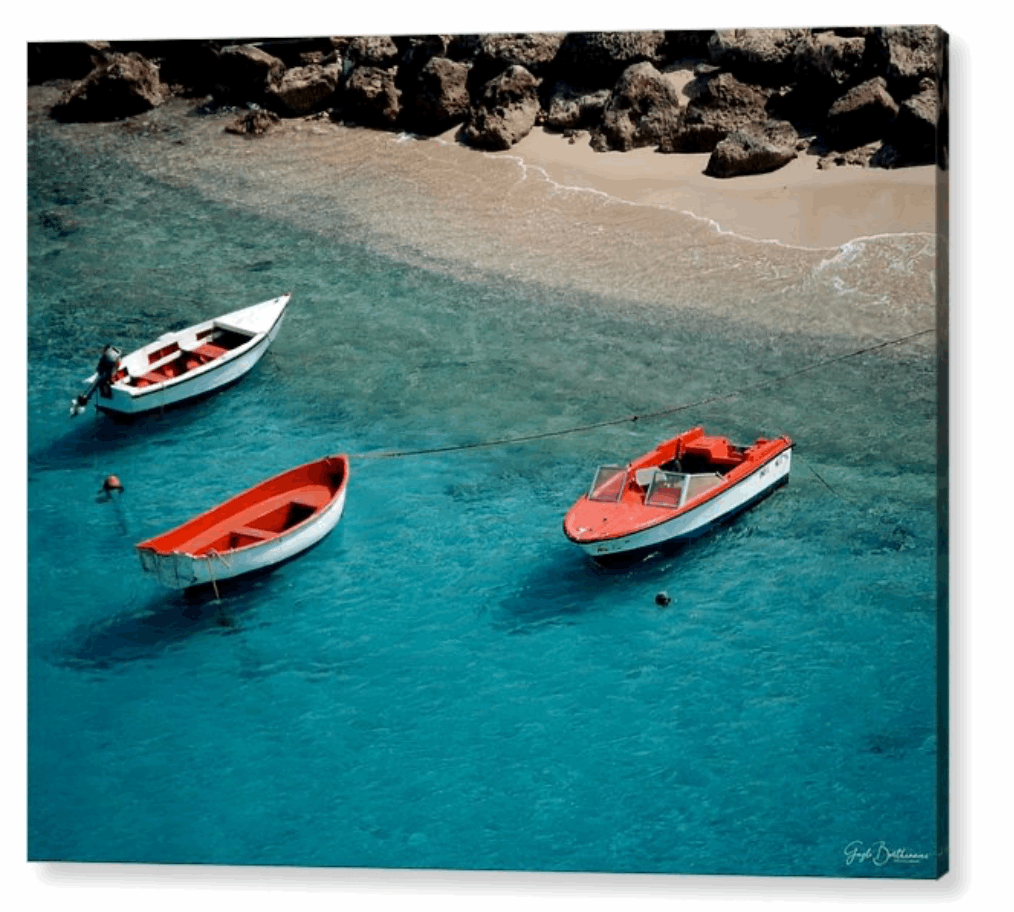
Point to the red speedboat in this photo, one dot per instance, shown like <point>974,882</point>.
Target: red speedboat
<point>677,491</point>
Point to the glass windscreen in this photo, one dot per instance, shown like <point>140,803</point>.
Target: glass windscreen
<point>666,489</point>
<point>608,483</point>
<point>698,484</point>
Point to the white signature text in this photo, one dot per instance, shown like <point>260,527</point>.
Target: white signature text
<point>879,853</point>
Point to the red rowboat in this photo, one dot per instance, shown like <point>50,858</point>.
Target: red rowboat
<point>276,520</point>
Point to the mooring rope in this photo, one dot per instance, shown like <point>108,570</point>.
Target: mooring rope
<point>645,416</point>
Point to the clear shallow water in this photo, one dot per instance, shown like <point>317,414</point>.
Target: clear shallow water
<point>445,681</point>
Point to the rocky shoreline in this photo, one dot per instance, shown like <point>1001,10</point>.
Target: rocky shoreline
<point>752,99</point>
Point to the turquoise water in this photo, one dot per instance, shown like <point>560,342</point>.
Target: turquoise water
<point>446,682</point>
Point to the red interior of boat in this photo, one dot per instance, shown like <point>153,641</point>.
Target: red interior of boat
<point>692,453</point>
<point>216,346</point>
<point>260,514</point>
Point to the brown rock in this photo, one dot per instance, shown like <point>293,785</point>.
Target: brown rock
<point>531,51</point>
<point>245,74</point>
<point>253,123</point>
<point>505,112</point>
<point>861,115</point>
<point>598,59</point>
<point>828,59</point>
<point>416,52</point>
<point>763,56</point>
<point>743,153</point>
<point>377,51</point>
<point>572,109</point>
<point>720,103</point>
<point>438,97</point>
<point>913,136</point>
<point>905,55</point>
<point>121,85</point>
<point>371,98</point>
<point>304,89</point>
<point>642,110</point>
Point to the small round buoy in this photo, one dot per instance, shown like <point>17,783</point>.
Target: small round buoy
<point>662,599</point>
<point>112,483</point>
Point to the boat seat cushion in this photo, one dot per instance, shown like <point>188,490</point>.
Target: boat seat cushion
<point>210,351</point>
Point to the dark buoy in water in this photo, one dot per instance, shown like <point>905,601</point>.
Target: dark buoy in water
<point>112,483</point>
<point>662,599</point>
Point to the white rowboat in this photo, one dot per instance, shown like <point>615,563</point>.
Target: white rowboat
<point>181,365</point>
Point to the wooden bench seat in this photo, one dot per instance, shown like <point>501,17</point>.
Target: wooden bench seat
<point>245,523</point>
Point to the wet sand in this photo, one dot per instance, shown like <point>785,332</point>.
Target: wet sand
<point>798,204</point>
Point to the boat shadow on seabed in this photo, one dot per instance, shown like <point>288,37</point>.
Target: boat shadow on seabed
<point>95,435</point>
<point>168,619</point>
<point>568,586</point>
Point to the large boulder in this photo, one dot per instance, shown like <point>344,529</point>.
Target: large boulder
<point>371,98</point>
<point>905,55</point>
<point>496,53</point>
<point>642,110</point>
<point>570,108</point>
<point>825,61</point>
<point>762,56</point>
<point>376,51</point>
<point>913,135</point>
<point>505,112</point>
<point>122,85</point>
<point>305,89</point>
<point>597,59</point>
<point>416,52</point>
<point>861,115</point>
<point>719,103</point>
<point>743,153</point>
<point>245,73</point>
<point>438,97</point>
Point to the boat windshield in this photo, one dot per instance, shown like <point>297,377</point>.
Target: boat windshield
<point>698,484</point>
<point>666,489</point>
<point>608,484</point>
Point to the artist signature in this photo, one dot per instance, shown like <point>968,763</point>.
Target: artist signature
<point>879,853</point>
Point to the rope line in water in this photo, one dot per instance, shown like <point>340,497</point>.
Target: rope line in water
<point>671,410</point>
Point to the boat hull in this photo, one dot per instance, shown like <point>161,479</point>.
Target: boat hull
<point>183,566</point>
<point>697,520</point>
<point>124,399</point>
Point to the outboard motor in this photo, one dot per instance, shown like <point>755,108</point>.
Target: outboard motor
<point>109,361</point>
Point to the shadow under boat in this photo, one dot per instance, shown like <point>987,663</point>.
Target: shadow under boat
<point>172,616</point>
<point>102,434</point>
<point>570,584</point>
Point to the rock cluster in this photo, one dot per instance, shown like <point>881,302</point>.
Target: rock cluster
<point>757,97</point>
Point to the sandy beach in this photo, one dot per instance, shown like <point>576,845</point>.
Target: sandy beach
<point>799,204</point>
<point>626,226</point>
